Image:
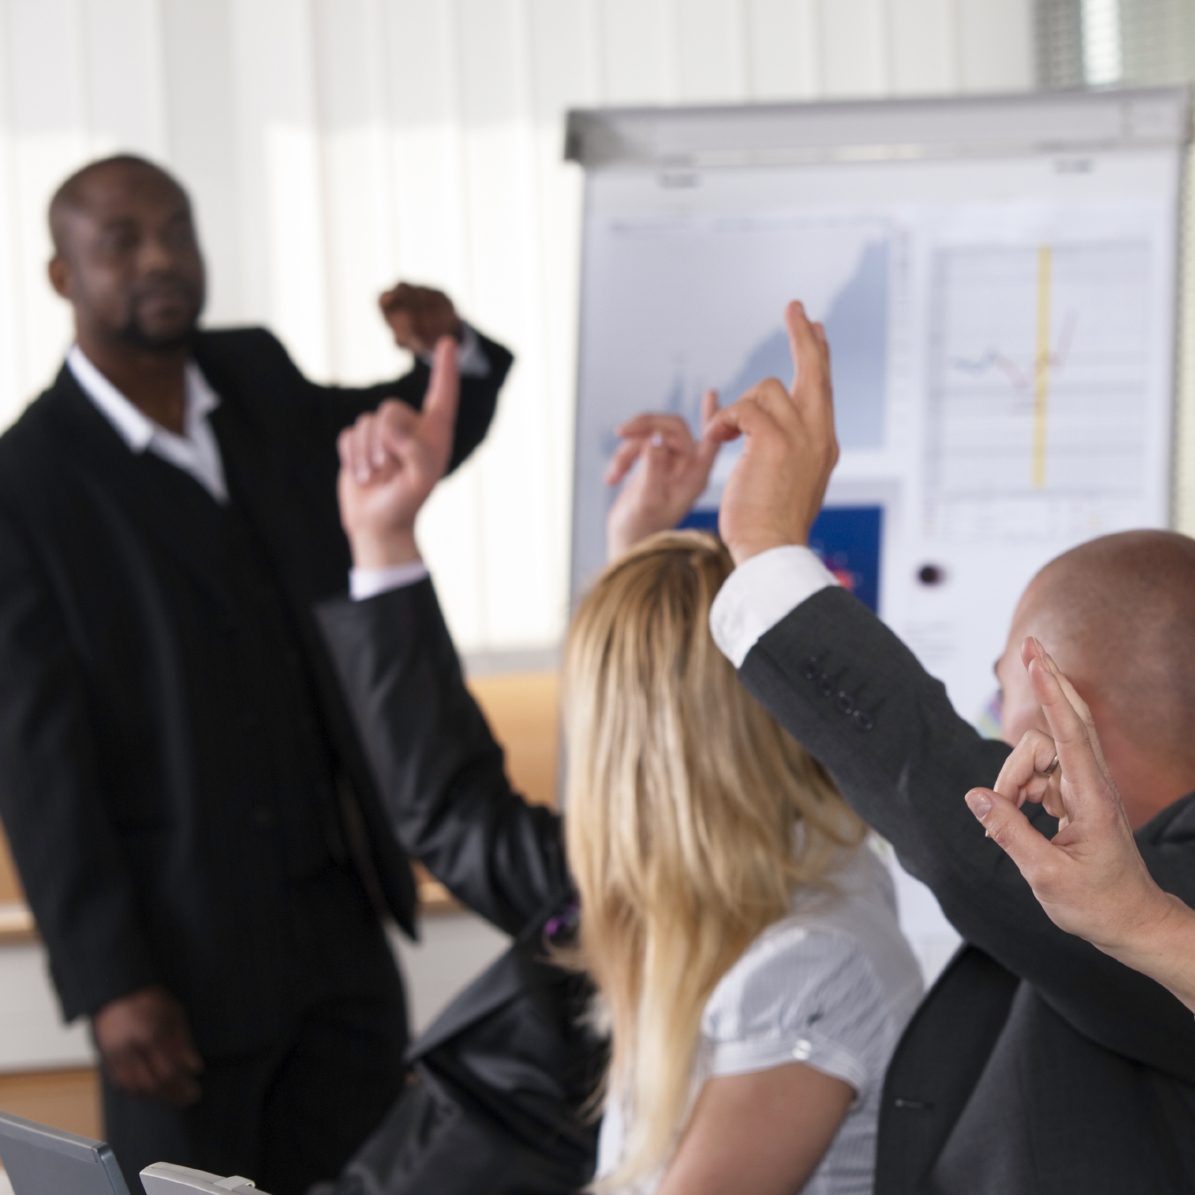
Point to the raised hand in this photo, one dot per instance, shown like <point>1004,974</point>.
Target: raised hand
<point>776,488</point>
<point>419,316</point>
<point>674,469</point>
<point>1089,878</point>
<point>390,461</point>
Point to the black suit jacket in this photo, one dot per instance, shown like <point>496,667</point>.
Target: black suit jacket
<point>1036,1064</point>
<point>133,764</point>
<point>513,1049</point>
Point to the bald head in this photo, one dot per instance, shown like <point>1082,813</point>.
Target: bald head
<point>127,259</point>
<point>78,192</point>
<point>1118,614</point>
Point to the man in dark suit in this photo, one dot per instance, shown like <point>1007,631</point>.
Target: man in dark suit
<point>1036,1063</point>
<point>184,794</point>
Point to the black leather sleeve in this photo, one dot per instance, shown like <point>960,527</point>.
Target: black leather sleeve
<point>439,771</point>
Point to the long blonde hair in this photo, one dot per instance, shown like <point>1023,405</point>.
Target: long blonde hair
<point>682,803</point>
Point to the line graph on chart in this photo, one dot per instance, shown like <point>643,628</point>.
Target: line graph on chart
<point>1014,371</point>
<point>1038,372</point>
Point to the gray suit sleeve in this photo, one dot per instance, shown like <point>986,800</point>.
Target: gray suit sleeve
<point>847,688</point>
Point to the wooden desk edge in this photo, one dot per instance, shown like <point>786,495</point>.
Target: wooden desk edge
<point>17,928</point>
<point>16,925</point>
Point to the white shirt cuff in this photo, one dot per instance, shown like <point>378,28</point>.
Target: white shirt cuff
<point>471,361</point>
<point>368,582</point>
<point>760,592</point>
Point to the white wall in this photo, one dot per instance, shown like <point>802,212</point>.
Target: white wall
<point>335,145</point>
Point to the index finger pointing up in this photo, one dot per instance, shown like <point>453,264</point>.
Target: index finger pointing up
<point>803,343</point>
<point>795,321</point>
<point>443,390</point>
<point>811,391</point>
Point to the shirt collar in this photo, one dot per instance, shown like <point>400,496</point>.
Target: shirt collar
<point>134,426</point>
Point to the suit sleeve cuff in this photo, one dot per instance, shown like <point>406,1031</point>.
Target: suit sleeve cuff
<point>760,592</point>
<point>471,361</point>
<point>369,582</point>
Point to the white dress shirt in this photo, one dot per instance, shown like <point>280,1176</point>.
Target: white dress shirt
<point>760,592</point>
<point>195,452</point>
<point>366,582</point>
<point>471,361</point>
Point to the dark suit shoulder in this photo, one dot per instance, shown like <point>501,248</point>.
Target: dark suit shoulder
<point>236,350</point>
<point>238,340</point>
<point>1174,824</point>
<point>250,369</point>
<point>25,443</point>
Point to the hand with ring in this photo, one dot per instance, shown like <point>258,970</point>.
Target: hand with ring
<point>1089,878</point>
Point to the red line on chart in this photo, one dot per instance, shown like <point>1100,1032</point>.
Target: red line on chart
<point>1019,379</point>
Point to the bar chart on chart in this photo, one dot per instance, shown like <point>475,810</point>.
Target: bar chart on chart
<point>1038,367</point>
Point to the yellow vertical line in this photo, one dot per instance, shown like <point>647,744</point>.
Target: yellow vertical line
<point>1041,367</point>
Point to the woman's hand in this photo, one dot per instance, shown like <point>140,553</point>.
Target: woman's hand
<point>674,470</point>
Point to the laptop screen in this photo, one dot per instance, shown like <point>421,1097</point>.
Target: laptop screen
<point>45,1161</point>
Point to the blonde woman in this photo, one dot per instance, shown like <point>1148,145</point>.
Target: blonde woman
<point>741,934</point>
<point>739,931</point>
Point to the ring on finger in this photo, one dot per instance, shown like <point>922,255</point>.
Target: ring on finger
<point>1050,768</point>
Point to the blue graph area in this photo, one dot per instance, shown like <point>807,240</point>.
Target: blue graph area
<point>856,324</point>
<point>847,538</point>
<point>857,328</point>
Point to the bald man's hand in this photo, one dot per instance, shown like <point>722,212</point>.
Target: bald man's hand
<point>390,461</point>
<point>419,316</point>
<point>776,488</point>
<point>1090,877</point>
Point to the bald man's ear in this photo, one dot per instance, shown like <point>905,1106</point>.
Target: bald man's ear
<point>59,274</point>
